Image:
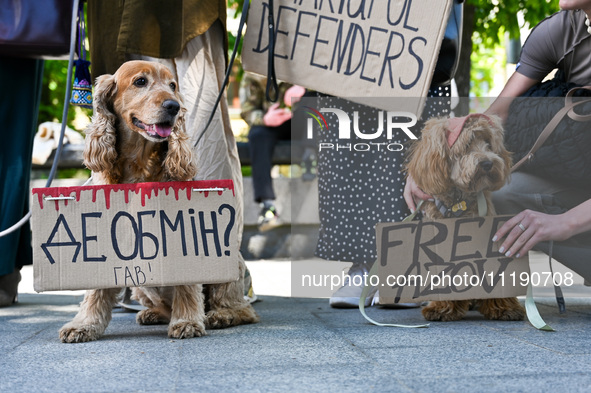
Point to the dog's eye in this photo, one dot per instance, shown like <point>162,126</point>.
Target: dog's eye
<point>140,82</point>
<point>172,86</point>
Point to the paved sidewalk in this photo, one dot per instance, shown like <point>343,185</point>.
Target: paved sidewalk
<point>299,345</point>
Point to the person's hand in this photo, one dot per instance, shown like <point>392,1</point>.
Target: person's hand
<point>276,116</point>
<point>412,194</point>
<point>527,229</point>
<point>296,92</point>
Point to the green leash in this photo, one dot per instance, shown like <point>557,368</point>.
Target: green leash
<point>533,315</point>
<point>373,272</point>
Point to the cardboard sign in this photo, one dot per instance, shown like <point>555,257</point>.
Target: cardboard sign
<point>143,234</point>
<point>449,259</point>
<point>363,50</point>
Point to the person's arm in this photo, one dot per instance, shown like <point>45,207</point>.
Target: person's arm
<point>542,227</point>
<point>412,194</point>
<point>515,86</point>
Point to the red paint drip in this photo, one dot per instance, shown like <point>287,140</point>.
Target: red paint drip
<point>108,198</point>
<point>40,197</point>
<point>146,190</point>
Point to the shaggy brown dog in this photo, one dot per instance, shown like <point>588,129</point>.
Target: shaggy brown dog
<point>137,135</point>
<point>453,162</point>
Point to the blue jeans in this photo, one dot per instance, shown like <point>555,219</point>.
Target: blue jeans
<point>262,141</point>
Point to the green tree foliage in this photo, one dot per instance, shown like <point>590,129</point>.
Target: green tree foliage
<point>55,73</point>
<point>485,25</point>
<point>236,6</point>
<point>493,18</point>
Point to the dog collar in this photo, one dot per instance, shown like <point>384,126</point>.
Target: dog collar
<point>455,210</point>
<point>460,207</point>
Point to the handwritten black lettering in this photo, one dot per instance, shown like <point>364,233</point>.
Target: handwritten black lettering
<point>148,235</point>
<point>61,221</point>
<point>458,238</point>
<point>115,240</point>
<point>86,238</point>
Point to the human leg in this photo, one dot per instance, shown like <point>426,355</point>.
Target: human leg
<point>200,72</point>
<point>526,191</point>
<point>19,102</point>
<point>262,140</point>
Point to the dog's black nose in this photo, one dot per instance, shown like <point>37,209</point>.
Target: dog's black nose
<point>486,165</point>
<point>172,107</point>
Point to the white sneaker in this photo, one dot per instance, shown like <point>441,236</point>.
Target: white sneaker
<point>348,295</point>
<point>395,305</point>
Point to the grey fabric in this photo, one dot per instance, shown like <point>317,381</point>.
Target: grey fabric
<point>526,191</point>
<point>358,189</point>
<point>559,41</point>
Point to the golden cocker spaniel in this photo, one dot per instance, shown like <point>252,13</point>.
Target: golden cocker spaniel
<point>137,135</point>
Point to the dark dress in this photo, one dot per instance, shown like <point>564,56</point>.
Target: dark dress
<point>20,93</point>
<point>358,189</point>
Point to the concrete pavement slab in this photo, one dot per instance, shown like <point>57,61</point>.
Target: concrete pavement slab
<point>301,344</point>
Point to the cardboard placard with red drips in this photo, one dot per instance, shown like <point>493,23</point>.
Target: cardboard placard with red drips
<point>141,234</point>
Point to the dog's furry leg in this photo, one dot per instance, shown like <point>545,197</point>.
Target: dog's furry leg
<point>446,311</point>
<point>188,312</point>
<point>507,309</point>
<point>159,311</point>
<point>93,318</point>
<point>227,304</point>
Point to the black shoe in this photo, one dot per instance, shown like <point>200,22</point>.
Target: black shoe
<point>9,288</point>
<point>268,217</point>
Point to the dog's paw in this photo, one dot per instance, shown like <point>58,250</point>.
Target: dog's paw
<point>152,316</point>
<point>507,309</point>
<point>186,329</point>
<point>226,317</point>
<point>443,311</point>
<point>79,334</point>
<point>511,314</point>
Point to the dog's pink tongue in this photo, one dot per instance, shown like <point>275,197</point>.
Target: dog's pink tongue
<point>163,131</point>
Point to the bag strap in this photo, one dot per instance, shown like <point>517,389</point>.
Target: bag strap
<point>569,101</point>
<point>568,109</point>
<point>241,25</point>
<point>272,90</point>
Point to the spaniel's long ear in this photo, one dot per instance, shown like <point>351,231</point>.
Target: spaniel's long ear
<point>179,163</point>
<point>99,150</point>
<point>429,159</point>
